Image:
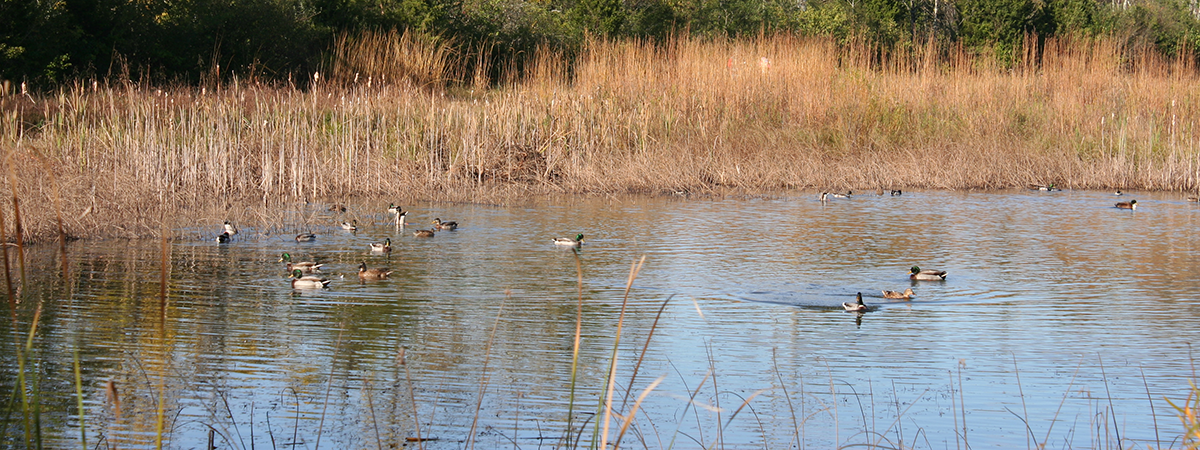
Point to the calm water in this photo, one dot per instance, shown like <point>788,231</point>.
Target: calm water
<point>1059,309</point>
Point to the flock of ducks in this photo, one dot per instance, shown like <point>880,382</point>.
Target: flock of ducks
<point>914,274</point>
<point>304,274</point>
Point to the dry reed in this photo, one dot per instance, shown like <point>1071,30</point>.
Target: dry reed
<point>688,115</point>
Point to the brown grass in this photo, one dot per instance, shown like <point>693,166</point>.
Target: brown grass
<point>626,117</point>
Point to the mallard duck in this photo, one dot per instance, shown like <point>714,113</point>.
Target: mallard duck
<point>423,233</point>
<point>439,225</point>
<point>824,197</point>
<point>896,192</point>
<point>223,238</point>
<point>857,307</point>
<point>927,275</point>
<point>299,281</point>
<point>306,237</point>
<point>392,208</point>
<point>372,274</point>
<point>350,226</point>
<point>568,242</point>
<point>1044,187</point>
<point>1132,204</point>
<point>907,294</point>
<point>846,195</point>
<point>385,247</point>
<point>1118,193</point>
<point>230,229</point>
<point>305,266</point>
<point>400,218</point>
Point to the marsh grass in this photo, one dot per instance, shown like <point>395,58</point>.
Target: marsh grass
<point>395,116</point>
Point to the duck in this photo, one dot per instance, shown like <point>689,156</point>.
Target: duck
<point>927,275</point>
<point>423,233</point>
<point>907,294</point>
<point>372,274</point>
<point>299,281</point>
<point>223,238</point>
<point>856,307</point>
<point>1132,204</point>
<point>824,197</point>
<point>439,225</point>
<point>305,266</point>
<point>400,218</point>
<point>350,226</point>
<point>306,237</point>
<point>392,208</point>
<point>846,195</point>
<point>1118,193</point>
<point>568,242</point>
<point>385,247</point>
<point>1193,199</point>
<point>337,207</point>
<point>1044,187</point>
<point>230,229</point>
<point>897,193</point>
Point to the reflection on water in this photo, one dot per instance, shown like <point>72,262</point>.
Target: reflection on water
<point>1086,305</point>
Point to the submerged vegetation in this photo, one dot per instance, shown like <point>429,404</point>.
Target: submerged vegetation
<point>687,115</point>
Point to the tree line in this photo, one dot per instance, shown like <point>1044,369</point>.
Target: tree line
<point>47,42</point>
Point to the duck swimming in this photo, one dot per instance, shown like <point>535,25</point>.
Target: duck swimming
<point>858,307</point>
<point>306,237</point>
<point>372,274</point>
<point>568,242</point>
<point>223,238</point>
<point>350,226</point>
<point>385,247</point>
<point>304,266</point>
<point>1132,204</point>
<point>299,281</point>
<point>439,225</point>
<point>423,233</point>
<point>907,294</point>
<point>229,228</point>
<point>927,275</point>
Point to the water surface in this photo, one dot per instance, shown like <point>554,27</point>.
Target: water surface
<point>1060,312</point>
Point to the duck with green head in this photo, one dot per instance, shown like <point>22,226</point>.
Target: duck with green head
<point>304,266</point>
<point>858,306</point>
<point>300,281</point>
<point>926,275</point>
<point>568,242</point>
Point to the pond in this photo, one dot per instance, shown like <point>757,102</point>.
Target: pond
<point>1063,320</point>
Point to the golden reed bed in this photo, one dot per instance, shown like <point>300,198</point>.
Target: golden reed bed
<point>691,115</point>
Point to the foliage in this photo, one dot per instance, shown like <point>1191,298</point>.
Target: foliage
<point>47,42</point>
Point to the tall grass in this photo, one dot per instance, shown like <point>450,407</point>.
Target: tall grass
<point>393,116</point>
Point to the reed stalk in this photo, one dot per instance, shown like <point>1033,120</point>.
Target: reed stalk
<point>483,377</point>
<point>79,400</point>
<point>575,348</point>
<point>611,380</point>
